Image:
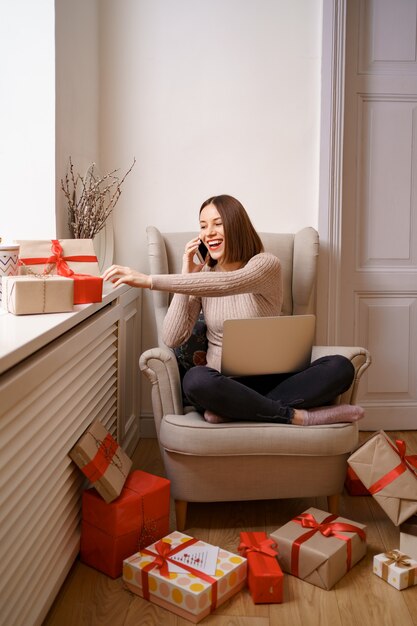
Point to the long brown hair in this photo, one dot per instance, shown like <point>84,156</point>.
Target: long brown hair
<point>242,241</point>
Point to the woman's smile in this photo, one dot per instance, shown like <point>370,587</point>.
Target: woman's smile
<point>211,232</point>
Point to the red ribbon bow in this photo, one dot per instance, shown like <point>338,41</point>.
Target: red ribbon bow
<point>163,550</point>
<point>407,462</point>
<point>162,556</point>
<point>328,528</point>
<point>57,258</point>
<point>265,546</point>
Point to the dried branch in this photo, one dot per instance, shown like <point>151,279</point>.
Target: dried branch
<point>91,199</point>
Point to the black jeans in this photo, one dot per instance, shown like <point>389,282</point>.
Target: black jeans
<point>270,398</point>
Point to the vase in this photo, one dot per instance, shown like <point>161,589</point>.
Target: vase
<point>9,261</point>
<point>104,245</point>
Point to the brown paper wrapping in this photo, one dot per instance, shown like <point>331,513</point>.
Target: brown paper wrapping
<point>24,295</point>
<point>113,470</point>
<point>322,560</point>
<point>408,537</point>
<point>372,461</point>
<point>409,526</point>
<point>41,249</point>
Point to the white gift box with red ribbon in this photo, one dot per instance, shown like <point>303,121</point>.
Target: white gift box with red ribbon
<point>72,258</point>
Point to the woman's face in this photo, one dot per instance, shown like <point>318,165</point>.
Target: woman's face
<point>212,233</point>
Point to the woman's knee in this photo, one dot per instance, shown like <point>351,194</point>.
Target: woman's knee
<point>197,378</point>
<point>343,370</point>
<point>340,369</point>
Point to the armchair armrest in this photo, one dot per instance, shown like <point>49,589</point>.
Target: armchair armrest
<point>360,358</point>
<point>161,368</point>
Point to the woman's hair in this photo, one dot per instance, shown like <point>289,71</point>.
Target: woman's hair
<point>242,241</point>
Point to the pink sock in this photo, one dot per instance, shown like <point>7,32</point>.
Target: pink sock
<point>332,414</point>
<point>212,418</point>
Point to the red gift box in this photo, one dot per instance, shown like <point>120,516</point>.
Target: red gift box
<point>265,577</point>
<point>112,532</point>
<point>87,288</point>
<point>354,486</point>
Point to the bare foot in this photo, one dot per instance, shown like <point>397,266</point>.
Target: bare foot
<point>212,418</point>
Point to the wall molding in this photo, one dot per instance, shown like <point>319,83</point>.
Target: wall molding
<point>331,170</point>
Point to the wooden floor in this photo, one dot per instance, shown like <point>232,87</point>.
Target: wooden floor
<point>89,598</point>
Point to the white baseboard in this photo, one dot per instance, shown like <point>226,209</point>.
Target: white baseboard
<point>393,419</point>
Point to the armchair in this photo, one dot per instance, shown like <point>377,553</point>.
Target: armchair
<point>246,461</point>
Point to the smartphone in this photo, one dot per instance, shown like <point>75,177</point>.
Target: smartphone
<point>202,252</point>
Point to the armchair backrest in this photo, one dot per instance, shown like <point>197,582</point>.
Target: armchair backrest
<point>298,253</point>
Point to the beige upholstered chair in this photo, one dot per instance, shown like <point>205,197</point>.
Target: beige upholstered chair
<point>246,461</point>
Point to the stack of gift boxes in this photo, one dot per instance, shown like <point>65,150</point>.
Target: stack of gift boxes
<point>381,468</point>
<point>125,531</point>
<point>123,511</point>
<point>54,275</point>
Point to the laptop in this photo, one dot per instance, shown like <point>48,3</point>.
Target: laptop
<point>267,345</point>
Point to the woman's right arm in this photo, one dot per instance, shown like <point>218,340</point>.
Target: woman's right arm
<point>184,310</point>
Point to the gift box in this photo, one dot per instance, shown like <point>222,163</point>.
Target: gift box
<point>388,474</point>
<point>112,532</point>
<point>265,577</point>
<point>320,548</point>
<point>102,460</point>
<point>398,569</point>
<point>408,537</point>
<point>184,575</point>
<point>72,258</point>
<point>23,295</point>
<point>87,289</point>
<point>354,486</point>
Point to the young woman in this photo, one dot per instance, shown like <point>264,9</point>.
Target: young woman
<point>238,279</point>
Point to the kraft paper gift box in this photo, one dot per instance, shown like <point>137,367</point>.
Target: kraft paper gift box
<point>72,258</point>
<point>354,485</point>
<point>388,474</point>
<point>320,548</point>
<point>408,537</point>
<point>112,532</point>
<point>102,460</point>
<point>397,568</point>
<point>265,577</point>
<point>26,295</point>
<point>166,574</point>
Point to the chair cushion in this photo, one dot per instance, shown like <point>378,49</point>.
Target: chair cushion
<point>191,434</point>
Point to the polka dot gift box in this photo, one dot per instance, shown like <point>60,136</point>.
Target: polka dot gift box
<point>169,574</point>
<point>397,568</point>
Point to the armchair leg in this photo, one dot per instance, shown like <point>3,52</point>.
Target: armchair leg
<point>181,513</point>
<point>333,504</point>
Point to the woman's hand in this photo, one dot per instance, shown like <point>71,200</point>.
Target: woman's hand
<point>118,275</point>
<point>188,264</point>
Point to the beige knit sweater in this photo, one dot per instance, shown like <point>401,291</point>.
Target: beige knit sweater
<point>252,291</point>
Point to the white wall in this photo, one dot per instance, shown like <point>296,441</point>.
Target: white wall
<point>211,96</point>
<point>27,120</point>
<point>77,93</point>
